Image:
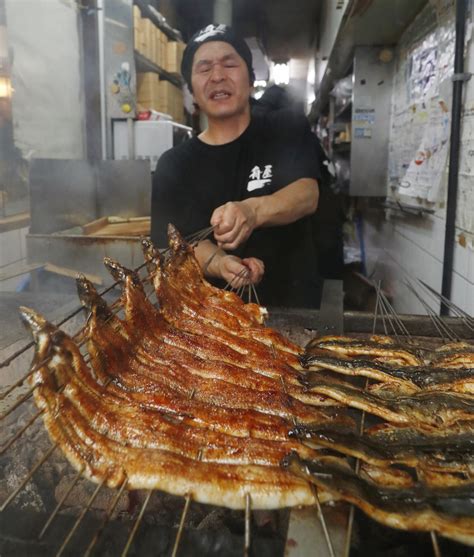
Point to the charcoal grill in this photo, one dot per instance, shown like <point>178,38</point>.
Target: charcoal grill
<point>50,529</point>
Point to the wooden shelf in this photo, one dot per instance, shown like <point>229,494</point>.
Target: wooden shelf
<point>171,33</point>
<point>145,65</point>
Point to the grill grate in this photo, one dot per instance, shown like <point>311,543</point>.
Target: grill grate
<point>383,311</point>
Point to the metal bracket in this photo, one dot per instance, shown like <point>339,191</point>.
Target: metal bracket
<point>466,76</point>
<point>413,210</point>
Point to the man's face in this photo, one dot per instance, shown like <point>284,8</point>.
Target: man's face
<point>220,80</point>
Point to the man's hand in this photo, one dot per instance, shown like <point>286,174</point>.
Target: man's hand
<point>233,223</point>
<point>215,262</point>
<point>241,272</point>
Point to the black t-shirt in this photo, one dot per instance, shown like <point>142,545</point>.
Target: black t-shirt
<point>194,178</point>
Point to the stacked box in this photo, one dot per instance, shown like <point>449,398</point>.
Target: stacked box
<point>141,37</point>
<point>137,15</point>
<point>149,30</point>
<point>171,101</point>
<point>157,47</point>
<point>174,55</point>
<point>148,89</point>
<point>164,45</point>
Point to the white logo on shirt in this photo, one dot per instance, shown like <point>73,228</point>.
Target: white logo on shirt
<point>210,31</point>
<point>259,178</point>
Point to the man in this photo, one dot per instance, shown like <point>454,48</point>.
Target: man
<point>254,179</point>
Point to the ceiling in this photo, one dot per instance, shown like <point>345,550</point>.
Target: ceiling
<point>283,28</point>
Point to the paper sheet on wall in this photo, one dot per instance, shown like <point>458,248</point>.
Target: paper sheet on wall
<point>420,127</point>
<point>423,178</point>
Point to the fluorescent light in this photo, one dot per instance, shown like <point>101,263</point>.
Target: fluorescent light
<point>281,74</point>
<point>5,87</point>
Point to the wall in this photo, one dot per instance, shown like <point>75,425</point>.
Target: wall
<point>44,43</point>
<point>12,253</point>
<point>401,246</point>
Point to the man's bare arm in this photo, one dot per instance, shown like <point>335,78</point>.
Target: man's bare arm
<point>235,221</point>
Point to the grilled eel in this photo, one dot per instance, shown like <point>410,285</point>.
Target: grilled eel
<point>186,297</point>
<point>372,348</point>
<point>119,439</point>
<point>424,410</point>
<point>408,378</point>
<point>452,452</point>
<point>207,357</point>
<point>204,388</point>
<point>449,511</point>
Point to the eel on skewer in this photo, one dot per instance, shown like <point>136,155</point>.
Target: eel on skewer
<point>449,511</point>
<point>74,420</point>
<point>381,351</point>
<point>423,410</point>
<point>407,378</point>
<point>452,452</point>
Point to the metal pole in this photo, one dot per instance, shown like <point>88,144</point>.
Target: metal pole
<point>458,78</point>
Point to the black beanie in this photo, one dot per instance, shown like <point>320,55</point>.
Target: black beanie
<point>215,33</point>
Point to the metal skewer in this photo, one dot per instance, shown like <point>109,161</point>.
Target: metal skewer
<point>18,402</point>
<point>386,306</point>
<point>19,433</point>
<point>248,502</point>
<point>350,520</point>
<point>444,331</point>
<point>12,495</point>
<point>187,502</point>
<point>60,504</point>
<point>137,524</point>
<point>79,518</point>
<point>106,519</point>
<point>314,489</point>
<point>235,279</point>
<point>465,317</point>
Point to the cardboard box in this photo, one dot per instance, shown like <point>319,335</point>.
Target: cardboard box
<point>174,55</point>
<point>157,47</point>
<point>141,36</point>
<point>171,101</point>
<point>164,44</point>
<point>137,15</point>
<point>148,87</point>
<point>148,31</point>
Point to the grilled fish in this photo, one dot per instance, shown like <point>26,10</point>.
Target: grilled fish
<point>453,452</point>
<point>388,352</point>
<point>429,410</point>
<point>448,511</point>
<point>411,379</point>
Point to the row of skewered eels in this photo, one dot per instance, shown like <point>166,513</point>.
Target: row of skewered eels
<point>197,397</point>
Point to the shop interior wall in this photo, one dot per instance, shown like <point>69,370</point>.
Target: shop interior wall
<point>400,246</point>
<point>47,103</point>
